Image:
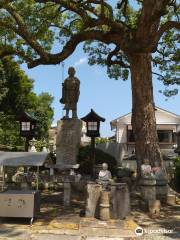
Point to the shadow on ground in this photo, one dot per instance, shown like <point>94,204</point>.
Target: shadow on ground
<point>169,219</point>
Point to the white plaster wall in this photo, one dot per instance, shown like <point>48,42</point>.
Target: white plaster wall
<point>164,120</point>
<point>114,149</point>
<point>178,128</point>
<point>163,117</point>
<point>167,127</point>
<point>121,133</point>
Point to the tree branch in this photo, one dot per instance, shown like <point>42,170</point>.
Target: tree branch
<point>118,59</point>
<point>151,13</point>
<point>22,31</point>
<point>70,5</point>
<point>83,12</point>
<point>9,50</point>
<point>108,36</point>
<point>164,28</point>
<point>71,45</point>
<point>159,75</point>
<point>167,26</point>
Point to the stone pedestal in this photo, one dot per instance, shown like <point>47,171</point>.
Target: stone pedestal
<point>104,207</point>
<point>148,189</point>
<point>171,199</point>
<point>161,190</point>
<point>93,195</point>
<point>120,200</point>
<point>67,193</point>
<point>68,141</point>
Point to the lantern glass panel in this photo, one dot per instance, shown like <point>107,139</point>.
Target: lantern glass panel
<point>25,126</point>
<point>92,126</point>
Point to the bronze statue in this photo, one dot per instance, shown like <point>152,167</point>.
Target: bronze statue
<point>70,93</point>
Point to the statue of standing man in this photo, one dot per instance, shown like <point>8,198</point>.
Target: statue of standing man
<point>70,93</point>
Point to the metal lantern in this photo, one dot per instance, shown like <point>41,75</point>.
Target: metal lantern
<point>27,127</point>
<point>93,120</point>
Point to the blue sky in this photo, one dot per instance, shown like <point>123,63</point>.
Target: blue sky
<point>108,97</point>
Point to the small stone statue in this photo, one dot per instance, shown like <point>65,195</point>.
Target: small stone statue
<point>148,182</point>
<point>70,93</point>
<point>146,170</point>
<point>158,171</point>
<point>105,177</point>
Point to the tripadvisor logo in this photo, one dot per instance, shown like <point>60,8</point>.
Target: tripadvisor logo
<point>139,231</point>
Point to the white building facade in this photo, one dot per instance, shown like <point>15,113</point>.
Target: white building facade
<point>123,149</point>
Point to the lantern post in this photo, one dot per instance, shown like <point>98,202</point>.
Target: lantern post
<point>27,127</point>
<point>93,121</point>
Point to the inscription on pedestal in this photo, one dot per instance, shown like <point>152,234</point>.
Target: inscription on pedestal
<point>68,141</point>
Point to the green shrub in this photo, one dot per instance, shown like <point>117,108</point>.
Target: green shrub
<point>100,157</point>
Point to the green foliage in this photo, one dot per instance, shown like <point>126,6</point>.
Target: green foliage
<point>98,52</point>
<point>44,113</point>
<point>9,131</point>
<point>167,63</point>
<point>100,157</point>
<point>102,140</point>
<point>3,89</point>
<point>32,29</point>
<point>19,98</point>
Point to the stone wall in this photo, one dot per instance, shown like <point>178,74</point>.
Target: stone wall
<point>114,149</point>
<point>119,150</point>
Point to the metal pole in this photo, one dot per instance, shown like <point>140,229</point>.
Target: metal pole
<point>27,144</point>
<point>37,184</point>
<point>93,152</point>
<point>62,80</point>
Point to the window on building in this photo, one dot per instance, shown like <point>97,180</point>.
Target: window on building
<point>131,136</point>
<point>165,136</point>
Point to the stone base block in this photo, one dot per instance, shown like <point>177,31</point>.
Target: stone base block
<point>148,189</point>
<point>67,194</point>
<point>93,195</point>
<point>162,192</point>
<point>120,200</point>
<point>68,141</point>
<point>104,211</point>
<point>171,199</point>
<point>154,208</point>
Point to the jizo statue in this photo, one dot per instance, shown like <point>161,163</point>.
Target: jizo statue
<point>105,177</point>
<point>70,93</point>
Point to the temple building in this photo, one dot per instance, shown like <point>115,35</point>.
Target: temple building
<point>123,147</point>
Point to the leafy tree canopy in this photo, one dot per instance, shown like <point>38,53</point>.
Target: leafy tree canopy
<point>3,89</point>
<point>19,98</point>
<point>30,29</point>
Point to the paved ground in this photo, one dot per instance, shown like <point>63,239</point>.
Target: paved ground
<point>54,222</point>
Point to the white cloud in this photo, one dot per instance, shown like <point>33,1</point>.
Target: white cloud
<point>80,61</point>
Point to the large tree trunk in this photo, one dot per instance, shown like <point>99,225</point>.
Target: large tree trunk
<point>143,110</point>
